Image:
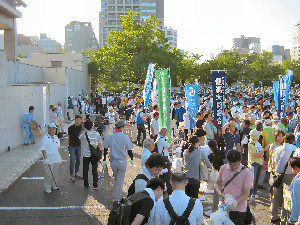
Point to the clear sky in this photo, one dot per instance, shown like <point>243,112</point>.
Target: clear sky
<point>204,26</point>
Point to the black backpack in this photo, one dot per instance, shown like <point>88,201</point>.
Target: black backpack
<point>120,214</point>
<point>131,189</point>
<point>179,220</point>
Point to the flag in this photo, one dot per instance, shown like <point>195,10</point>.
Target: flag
<point>289,76</point>
<point>276,96</point>
<point>191,93</point>
<point>282,92</point>
<point>218,87</point>
<point>162,77</point>
<point>147,86</point>
<point>154,92</point>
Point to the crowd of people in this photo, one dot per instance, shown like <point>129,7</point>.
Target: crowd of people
<point>254,143</point>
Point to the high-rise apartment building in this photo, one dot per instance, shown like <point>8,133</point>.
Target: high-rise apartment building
<point>50,45</point>
<point>111,10</point>
<point>245,45</point>
<point>80,36</point>
<point>171,35</point>
<point>296,43</point>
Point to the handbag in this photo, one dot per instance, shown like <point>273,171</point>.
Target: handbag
<point>277,179</point>
<point>96,153</point>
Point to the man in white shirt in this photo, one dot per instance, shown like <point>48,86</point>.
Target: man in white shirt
<point>148,149</point>
<point>162,145</point>
<point>154,126</point>
<point>179,202</point>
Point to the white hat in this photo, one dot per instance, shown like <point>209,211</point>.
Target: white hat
<point>52,125</point>
<point>257,121</point>
<point>110,108</point>
<point>235,115</point>
<point>276,118</point>
<point>268,121</point>
<point>71,96</point>
<point>254,134</point>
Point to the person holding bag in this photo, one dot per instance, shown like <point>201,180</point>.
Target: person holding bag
<point>191,166</point>
<point>90,137</point>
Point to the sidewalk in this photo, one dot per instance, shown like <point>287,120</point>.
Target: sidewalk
<point>17,161</point>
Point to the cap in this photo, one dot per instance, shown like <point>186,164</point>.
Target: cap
<point>116,108</point>
<point>268,121</point>
<point>121,123</point>
<point>110,108</point>
<point>179,102</point>
<point>78,117</point>
<point>289,114</point>
<point>257,121</point>
<point>254,134</point>
<point>52,125</point>
<point>155,114</point>
<point>142,106</point>
<point>71,96</point>
<point>276,118</point>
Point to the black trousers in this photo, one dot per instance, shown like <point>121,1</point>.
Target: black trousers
<point>238,218</point>
<point>192,188</point>
<point>86,164</point>
<point>141,129</point>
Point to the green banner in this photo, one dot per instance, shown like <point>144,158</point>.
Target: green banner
<point>162,77</point>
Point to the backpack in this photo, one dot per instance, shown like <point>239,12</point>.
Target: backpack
<point>120,214</point>
<point>96,153</point>
<point>131,189</point>
<point>179,220</point>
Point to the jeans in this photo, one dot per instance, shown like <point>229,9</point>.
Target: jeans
<point>86,163</point>
<point>28,134</point>
<point>119,169</point>
<point>141,129</point>
<point>238,218</point>
<point>74,152</point>
<point>192,188</point>
<point>257,169</point>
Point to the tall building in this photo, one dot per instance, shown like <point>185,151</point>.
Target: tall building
<point>296,43</point>
<point>171,35</point>
<point>111,10</point>
<point>80,36</point>
<point>50,46</point>
<point>242,45</point>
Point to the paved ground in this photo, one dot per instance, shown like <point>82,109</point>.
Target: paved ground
<point>24,202</point>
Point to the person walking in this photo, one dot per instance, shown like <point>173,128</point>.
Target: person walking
<point>74,147</point>
<point>60,118</point>
<point>51,157</point>
<point>140,121</point>
<point>96,141</point>
<point>193,157</point>
<point>120,147</point>
<point>28,117</point>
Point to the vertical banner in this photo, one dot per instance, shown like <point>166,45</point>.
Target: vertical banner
<point>282,92</point>
<point>191,93</point>
<point>162,77</point>
<point>289,76</point>
<point>147,87</point>
<point>154,96</point>
<point>218,87</point>
<point>276,97</point>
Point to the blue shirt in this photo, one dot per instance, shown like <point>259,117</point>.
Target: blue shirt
<point>70,104</point>
<point>139,119</point>
<point>28,117</point>
<point>298,139</point>
<point>295,212</point>
<point>179,113</point>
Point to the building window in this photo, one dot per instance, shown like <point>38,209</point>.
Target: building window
<point>119,22</point>
<point>111,16</point>
<point>127,1</point>
<point>148,4</point>
<point>111,8</point>
<point>103,3</point>
<point>111,22</point>
<point>111,1</point>
<point>120,8</point>
<point>148,10</point>
<point>103,9</point>
<point>136,2</point>
<point>120,1</point>
<point>56,64</point>
<point>144,17</point>
<point>127,8</point>
<point>136,9</point>
<point>103,16</point>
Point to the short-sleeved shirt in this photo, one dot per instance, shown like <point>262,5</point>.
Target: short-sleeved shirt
<point>231,140</point>
<point>162,146</point>
<point>51,145</point>
<point>94,138</point>
<point>155,125</point>
<point>142,207</point>
<point>235,187</point>
<point>74,131</point>
<point>118,143</point>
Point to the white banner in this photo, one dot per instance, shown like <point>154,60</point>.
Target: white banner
<point>147,86</point>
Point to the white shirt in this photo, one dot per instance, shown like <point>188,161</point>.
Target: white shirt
<point>179,201</point>
<point>140,184</point>
<point>111,118</point>
<point>118,143</point>
<point>205,149</point>
<point>51,145</point>
<point>186,120</point>
<point>144,156</point>
<point>163,146</point>
<point>155,125</point>
<point>103,101</point>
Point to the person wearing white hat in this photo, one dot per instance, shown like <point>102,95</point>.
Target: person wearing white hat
<point>51,157</point>
<point>255,159</point>
<point>276,122</point>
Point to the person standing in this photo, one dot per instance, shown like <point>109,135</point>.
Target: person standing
<point>140,121</point>
<point>70,107</point>
<point>232,139</point>
<point>147,151</point>
<point>96,141</point>
<point>179,201</point>
<point>28,117</point>
<point>60,118</point>
<point>239,187</point>
<point>75,106</point>
<point>295,190</point>
<point>208,126</point>
<point>154,126</point>
<point>51,156</point>
<point>74,147</point>
<point>120,147</point>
